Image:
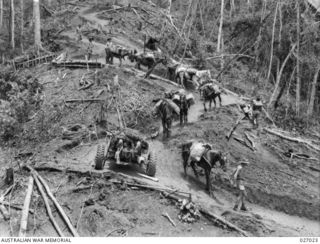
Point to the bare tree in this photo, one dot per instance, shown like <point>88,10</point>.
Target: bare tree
<point>12,24</point>
<point>272,41</point>
<point>22,24</point>
<point>313,92</point>
<point>220,27</point>
<point>298,85</point>
<point>277,85</point>
<point>37,33</point>
<point>1,13</point>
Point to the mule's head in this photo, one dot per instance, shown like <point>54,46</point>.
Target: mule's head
<point>132,56</point>
<point>164,60</point>
<point>223,161</point>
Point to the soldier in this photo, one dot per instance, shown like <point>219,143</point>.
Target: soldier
<point>90,48</point>
<point>238,181</point>
<point>257,106</point>
<point>108,49</point>
<point>78,33</point>
<point>184,107</point>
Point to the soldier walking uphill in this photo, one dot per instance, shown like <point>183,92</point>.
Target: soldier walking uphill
<point>78,33</point>
<point>184,107</point>
<point>109,48</point>
<point>90,48</point>
<point>238,181</point>
<point>257,106</point>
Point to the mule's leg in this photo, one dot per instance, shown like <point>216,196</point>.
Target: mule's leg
<point>214,101</point>
<point>192,164</point>
<point>209,184</point>
<point>181,76</point>
<point>207,173</point>
<point>164,130</point>
<point>186,117</point>
<point>220,100</point>
<point>185,158</point>
<point>168,129</point>
<point>181,117</point>
<point>210,103</point>
<point>204,105</point>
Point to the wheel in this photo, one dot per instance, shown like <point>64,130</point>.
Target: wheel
<point>99,158</point>
<point>151,166</point>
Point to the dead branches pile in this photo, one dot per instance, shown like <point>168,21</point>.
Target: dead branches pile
<point>137,104</point>
<point>189,212</point>
<point>76,132</point>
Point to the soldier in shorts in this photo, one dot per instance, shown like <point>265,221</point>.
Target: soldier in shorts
<point>78,32</point>
<point>238,181</point>
<point>90,48</point>
<point>257,106</point>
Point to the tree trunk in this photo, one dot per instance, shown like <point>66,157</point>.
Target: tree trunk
<point>264,6</point>
<point>272,41</point>
<point>280,23</point>
<point>232,7</point>
<point>288,92</point>
<point>1,13</point>
<point>313,92</point>
<point>220,27</point>
<point>275,93</point>
<point>22,23</point>
<point>201,18</point>
<point>12,24</point>
<point>37,33</point>
<point>298,86</point>
<point>193,16</point>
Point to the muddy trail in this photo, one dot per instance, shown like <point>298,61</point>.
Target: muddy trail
<point>281,201</point>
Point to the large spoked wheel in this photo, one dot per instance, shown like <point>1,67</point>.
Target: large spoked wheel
<point>151,166</point>
<point>99,158</point>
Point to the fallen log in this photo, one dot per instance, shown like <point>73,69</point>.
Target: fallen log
<point>25,211</point>
<point>222,221</point>
<point>268,116</point>
<point>250,140</point>
<point>6,192</point>
<point>142,74</point>
<point>48,208</point>
<point>293,139</point>
<point>85,87</point>
<point>148,177</point>
<point>15,206</point>
<point>234,128</point>
<point>314,169</point>
<point>84,100</point>
<point>4,212</point>
<point>56,203</point>
<point>242,142</point>
<point>166,215</point>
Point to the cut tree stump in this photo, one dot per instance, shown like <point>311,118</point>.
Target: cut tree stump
<point>9,176</point>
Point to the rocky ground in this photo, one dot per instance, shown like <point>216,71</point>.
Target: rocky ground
<point>283,193</point>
